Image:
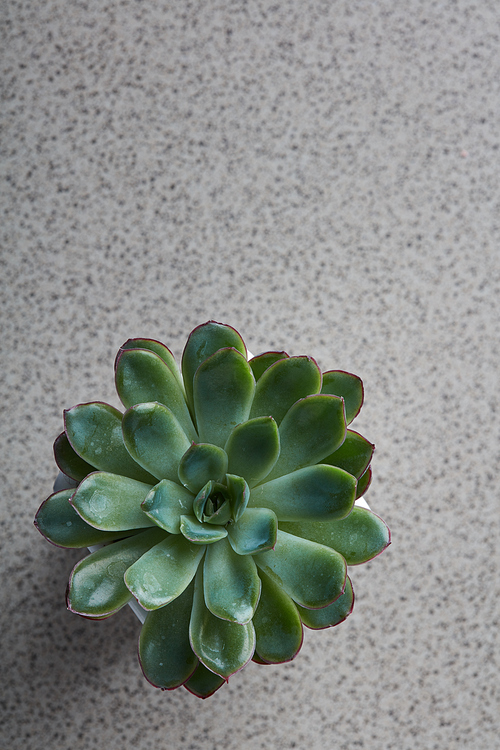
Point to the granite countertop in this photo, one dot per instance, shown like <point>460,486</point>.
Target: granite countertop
<point>324,177</point>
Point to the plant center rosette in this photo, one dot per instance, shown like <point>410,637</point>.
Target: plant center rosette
<point>223,498</point>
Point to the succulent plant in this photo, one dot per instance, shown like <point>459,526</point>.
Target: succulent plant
<point>222,500</point>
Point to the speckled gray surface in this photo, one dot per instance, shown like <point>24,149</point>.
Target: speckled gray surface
<point>324,177</point>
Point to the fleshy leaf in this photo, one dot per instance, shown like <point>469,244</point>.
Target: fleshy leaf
<point>96,585</point>
<point>224,647</point>
<point>359,537</point>
<point>61,525</point>
<point>201,463</point>
<point>95,433</point>
<point>311,574</point>
<point>201,533</point>
<point>166,503</point>
<point>158,348</point>
<point>364,482</point>
<point>231,583</point>
<point>111,503</point>
<point>204,341</point>
<point>239,495</point>
<point>69,462</point>
<point>278,628</point>
<point>354,455</point>
<point>204,683</point>
<point>253,448</point>
<point>255,531</point>
<point>155,439</point>
<point>313,428</point>
<point>333,614</point>
<point>284,383</point>
<point>212,504</point>
<point>223,390</point>
<point>142,376</point>
<point>165,653</point>
<point>163,573</point>
<point>317,492</point>
<point>261,362</point>
<point>346,386</point>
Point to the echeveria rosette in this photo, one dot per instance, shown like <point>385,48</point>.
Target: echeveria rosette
<point>223,501</point>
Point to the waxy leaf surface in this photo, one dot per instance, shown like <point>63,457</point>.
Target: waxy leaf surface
<point>158,348</point>
<point>95,433</point>
<point>142,376</point>
<point>204,683</point>
<point>278,628</point>
<point>253,448</point>
<point>69,462</point>
<point>111,503</point>
<point>284,383</point>
<point>354,455</point>
<point>222,646</point>
<point>346,386</point>
<point>201,463</point>
<point>155,439</point>
<point>311,574</point>
<point>261,362</point>
<point>359,537</point>
<point>335,613</point>
<point>201,533</point>
<point>166,503</point>
<point>318,492</point>
<point>231,583</point>
<point>255,531</point>
<point>204,341</point>
<point>364,482</point>
<point>163,573</point>
<point>96,585</point>
<point>223,391</point>
<point>313,428</point>
<point>60,524</point>
<point>165,652</point>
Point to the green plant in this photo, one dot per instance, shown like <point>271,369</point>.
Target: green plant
<point>224,501</point>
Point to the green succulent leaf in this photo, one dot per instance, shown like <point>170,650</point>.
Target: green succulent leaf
<point>95,433</point>
<point>359,537</point>
<point>212,504</point>
<point>239,495</point>
<point>61,525</point>
<point>317,492</point>
<point>111,503</point>
<point>231,583</point>
<point>204,683</point>
<point>312,429</point>
<point>354,455</point>
<point>311,574</point>
<point>261,362</point>
<point>96,585</point>
<point>165,653</point>
<point>164,572</point>
<point>158,348</point>
<point>253,448</point>
<point>333,614</point>
<point>278,628</point>
<point>255,531</point>
<point>364,482</point>
<point>201,463</point>
<point>69,462</point>
<point>223,390</point>
<point>166,503</point>
<point>201,533</point>
<point>224,647</point>
<point>204,341</point>
<point>142,376</point>
<point>346,386</point>
<point>155,439</point>
<point>284,383</point>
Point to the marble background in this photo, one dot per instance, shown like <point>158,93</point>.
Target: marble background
<point>323,176</point>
